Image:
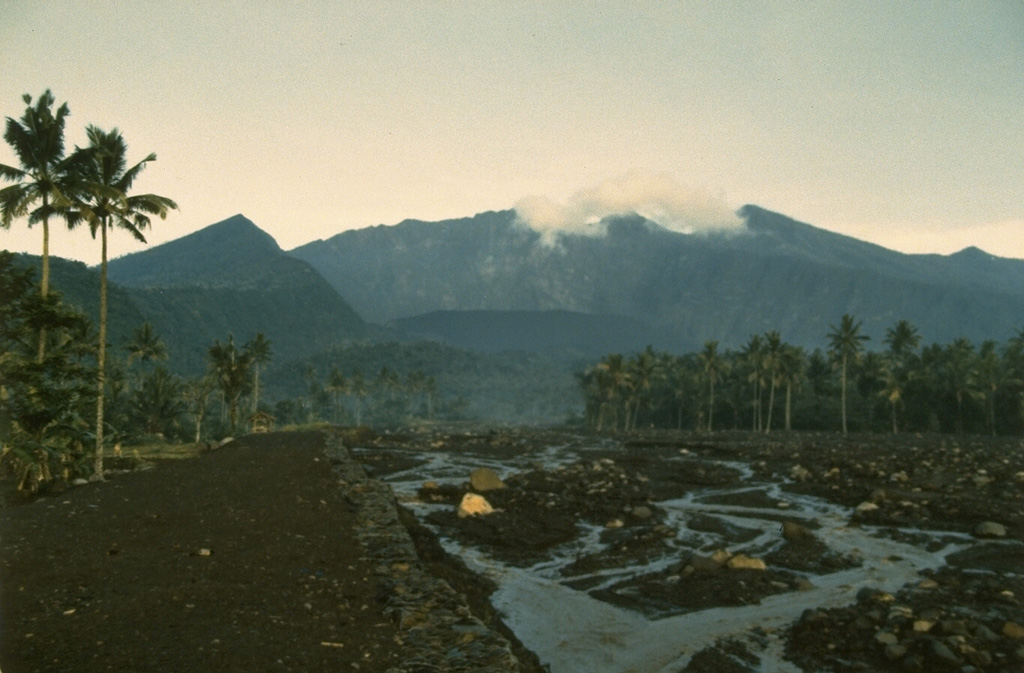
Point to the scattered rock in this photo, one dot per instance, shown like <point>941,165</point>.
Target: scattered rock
<point>485,479</point>
<point>474,504</point>
<point>1013,630</point>
<point>744,562</point>
<point>990,529</point>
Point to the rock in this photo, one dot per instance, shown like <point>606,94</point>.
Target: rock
<point>866,507</point>
<point>430,486</point>
<point>1013,630</point>
<point>886,638</point>
<point>923,625</point>
<point>744,562</point>
<point>614,523</point>
<point>705,564</point>
<point>80,482</point>
<point>642,512</point>
<point>895,651</point>
<point>473,504</point>
<point>800,473</point>
<point>941,652</point>
<point>485,479</point>
<point>794,532</point>
<point>721,557</point>
<point>990,529</point>
<point>225,441</point>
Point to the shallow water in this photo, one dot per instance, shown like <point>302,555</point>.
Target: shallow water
<point>572,631</point>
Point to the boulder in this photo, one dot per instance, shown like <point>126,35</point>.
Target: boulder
<point>794,532</point>
<point>990,529</point>
<point>485,479</point>
<point>642,512</point>
<point>473,505</point>
<point>744,562</point>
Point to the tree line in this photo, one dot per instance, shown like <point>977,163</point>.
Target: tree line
<point>768,384</point>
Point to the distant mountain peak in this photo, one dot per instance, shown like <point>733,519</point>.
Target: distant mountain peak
<point>228,250</point>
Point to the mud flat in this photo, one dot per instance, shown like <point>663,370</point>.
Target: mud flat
<point>733,552</point>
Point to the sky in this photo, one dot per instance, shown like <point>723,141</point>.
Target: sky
<point>897,123</point>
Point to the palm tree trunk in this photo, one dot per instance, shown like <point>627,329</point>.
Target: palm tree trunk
<point>843,393</point>
<point>44,282</point>
<point>895,429</point>
<point>771,407</point>
<point>789,406</point>
<point>711,406</point>
<point>101,355</point>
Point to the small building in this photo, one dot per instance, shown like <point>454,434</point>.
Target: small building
<point>261,422</point>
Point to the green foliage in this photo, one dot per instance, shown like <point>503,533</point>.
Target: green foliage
<point>949,388</point>
<point>43,402</point>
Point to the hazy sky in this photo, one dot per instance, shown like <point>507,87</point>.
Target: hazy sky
<point>901,123</point>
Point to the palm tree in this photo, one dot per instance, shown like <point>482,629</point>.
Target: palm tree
<point>230,367</point>
<point>40,185</point>
<point>336,385</point>
<point>792,368</point>
<point>992,375</point>
<point>359,390</point>
<point>961,372</point>
<point>845,345</point>
<point>101,200</point>
<point>903,341</point>
<point>712,366</point>
<point>613,381</point>
<point>259,348</point>
<point>753,355</point>
<point>146,345</point>
<point>643,370</point>
<point>772,355</point>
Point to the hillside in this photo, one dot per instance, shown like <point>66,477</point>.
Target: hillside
<point>777,274</point>
<point>231,277</point>
<point>582,334</point>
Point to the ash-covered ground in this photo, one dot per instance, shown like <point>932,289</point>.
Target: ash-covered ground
<point>733,552</point>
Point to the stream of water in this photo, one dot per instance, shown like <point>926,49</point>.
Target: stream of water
<point>573,632</point>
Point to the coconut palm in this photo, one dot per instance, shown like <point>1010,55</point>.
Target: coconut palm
<point>42,180</point>
<point>903,341</point>
<point>102,200</point>
<point>259,348</point>
<point>336,385</point>
<point>792,372</point>
<point>231,368</point>
<point>146,345</point>
<point>773,348</point>
<point>712,366</point>
<point>753,357</point>
<point>845,345</point>
<point>961,374</point>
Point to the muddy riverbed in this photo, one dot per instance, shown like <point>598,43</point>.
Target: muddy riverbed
<point>733,552</point>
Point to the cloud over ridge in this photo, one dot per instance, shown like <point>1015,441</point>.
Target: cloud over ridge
<point>655,196</point>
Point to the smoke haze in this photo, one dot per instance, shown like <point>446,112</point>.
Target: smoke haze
<point>655,196</point>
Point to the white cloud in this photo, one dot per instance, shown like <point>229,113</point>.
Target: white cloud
<point>655,196</point>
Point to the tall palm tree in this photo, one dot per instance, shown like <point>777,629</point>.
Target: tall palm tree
<point>102,200</point>
<point>230,366</point>
<point>259,348</point>
<point>845,345</point>
<point>752,355</point>
<point>336,385</point>
<point>961,372</point>
<point>773,348</point>
<point>903,341</point>
<point>792,372</point>
<point>41,183</point>
<point>712,366</point>
<point>614,381</point>
<point>146,345</point>
<point>643,370</point>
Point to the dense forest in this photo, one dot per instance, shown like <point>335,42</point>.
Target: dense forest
<point>769,385</point>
